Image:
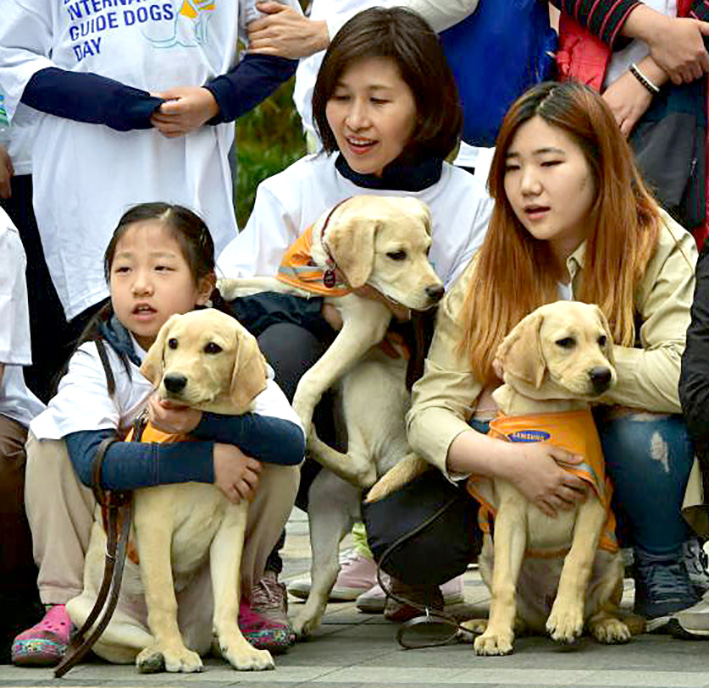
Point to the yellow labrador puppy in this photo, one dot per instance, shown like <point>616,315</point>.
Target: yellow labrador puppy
<point>555,361</point>
<point>206,360</point>
<point>378,241</point>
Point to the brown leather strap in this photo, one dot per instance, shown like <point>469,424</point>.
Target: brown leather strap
<point>118,505</point>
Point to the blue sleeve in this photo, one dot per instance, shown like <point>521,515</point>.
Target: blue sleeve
<point>265,438</point>
<point>90,98</point>
<point>252,80</point>
<point>130,465</point>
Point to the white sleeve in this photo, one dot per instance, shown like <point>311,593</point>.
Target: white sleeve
<point>440,14</point>
<point>274,403</point>
<point>82,401</point>
<point>26,42</point>
<point>259,247</point>
<point>15,346</point>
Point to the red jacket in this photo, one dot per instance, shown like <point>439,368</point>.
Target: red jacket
<point>583,57</point>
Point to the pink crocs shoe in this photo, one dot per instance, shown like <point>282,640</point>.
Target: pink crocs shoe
<point>45,643</point>
<point>262,633</point>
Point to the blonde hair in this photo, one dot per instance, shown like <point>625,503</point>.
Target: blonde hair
<point>515,273</point>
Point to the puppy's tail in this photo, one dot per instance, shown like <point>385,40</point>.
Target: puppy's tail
<point>410,467</point>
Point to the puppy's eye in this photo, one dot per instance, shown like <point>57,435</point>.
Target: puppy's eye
<point>566,343</point>
<point>397,255</point>
<point>602,340</point>
<point>212,348</point>
<point>172,343</point>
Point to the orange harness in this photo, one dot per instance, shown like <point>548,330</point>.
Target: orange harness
<point>298,269</point>
<point>574,431</point>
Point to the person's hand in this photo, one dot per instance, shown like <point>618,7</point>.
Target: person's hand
<point>6,173</point>
<point>172,418</point>
<point>678,47</point>
<point>628,99</point>
<point>401,313</point>
<point>544,483</point>
<point>284,32</point>
<point>235,474</point>
<point>186,109</point>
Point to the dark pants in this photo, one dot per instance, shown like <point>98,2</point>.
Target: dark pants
<point>19,599</point>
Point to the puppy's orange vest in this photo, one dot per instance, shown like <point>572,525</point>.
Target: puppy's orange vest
<point>298,269</point>
<point>574,431</point>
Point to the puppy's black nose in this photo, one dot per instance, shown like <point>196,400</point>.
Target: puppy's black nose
<point>435,293</point>
<point>174,382</point>
<point>600,378</point>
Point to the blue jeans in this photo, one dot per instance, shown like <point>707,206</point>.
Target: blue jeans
<point>648,458</point>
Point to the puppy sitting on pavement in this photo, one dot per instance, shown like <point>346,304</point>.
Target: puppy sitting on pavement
<point>206,360</point>
<point>557,574</point>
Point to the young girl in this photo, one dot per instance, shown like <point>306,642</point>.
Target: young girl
<point>154,89</point>
<point>572,220</point>
<point>386,109</point>
<point>160,261</point>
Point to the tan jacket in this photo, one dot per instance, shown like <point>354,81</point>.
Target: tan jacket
<point>444,399</point>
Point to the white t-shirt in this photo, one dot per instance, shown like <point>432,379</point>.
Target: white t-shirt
<point>289,202</point>
<point>16,401</point>
<point>82,401</point>
<point>86,176</point>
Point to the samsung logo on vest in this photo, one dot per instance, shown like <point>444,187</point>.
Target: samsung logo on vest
<point>528,436</point>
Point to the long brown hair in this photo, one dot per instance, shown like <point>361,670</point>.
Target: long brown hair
<point>515,273</point>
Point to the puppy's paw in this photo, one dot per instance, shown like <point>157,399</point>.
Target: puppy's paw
<point>565,625</point>
<point>304,625</point>
<point>157,658</point>
<point>610,631</point>
<point>493,644</point>
<point>248,658</point>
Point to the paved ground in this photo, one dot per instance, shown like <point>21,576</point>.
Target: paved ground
<point>353,649</point>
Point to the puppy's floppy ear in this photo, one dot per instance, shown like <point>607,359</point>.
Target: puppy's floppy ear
<point>153,365</point>
<point>609,335</point>
<point>350,239</point>
<point>520,353</point>
<point>248,378</point>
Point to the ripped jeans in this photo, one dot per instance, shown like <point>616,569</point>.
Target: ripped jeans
<point>648,458</point>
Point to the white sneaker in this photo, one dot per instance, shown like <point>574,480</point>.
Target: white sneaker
<point>357,575</point>
<point>373,601</point>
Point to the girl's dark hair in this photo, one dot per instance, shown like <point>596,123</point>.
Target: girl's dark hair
<point>185,226</point>
<point>405,37</point>
<point>191,233</point>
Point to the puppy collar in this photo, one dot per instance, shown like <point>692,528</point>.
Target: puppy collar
<point>330,272</point>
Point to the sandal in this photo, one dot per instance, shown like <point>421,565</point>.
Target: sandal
<point>46,642</point>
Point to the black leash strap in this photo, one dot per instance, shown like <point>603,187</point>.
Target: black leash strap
<point>119,508</point>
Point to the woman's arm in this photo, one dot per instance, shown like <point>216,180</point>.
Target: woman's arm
<point>694,378</point>
<point>648,376</point>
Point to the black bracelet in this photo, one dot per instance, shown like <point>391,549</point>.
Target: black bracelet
<point>635,71</point>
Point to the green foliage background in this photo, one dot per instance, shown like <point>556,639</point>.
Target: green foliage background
<point>268,139</point>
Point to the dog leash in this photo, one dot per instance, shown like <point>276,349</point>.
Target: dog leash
<point>430,617</point>
<point>118,505</point>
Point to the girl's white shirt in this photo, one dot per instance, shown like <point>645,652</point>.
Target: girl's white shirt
<point>86,176</point>
<point>82,401</point>
<point>289,202</point>
<point>16,401</point>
